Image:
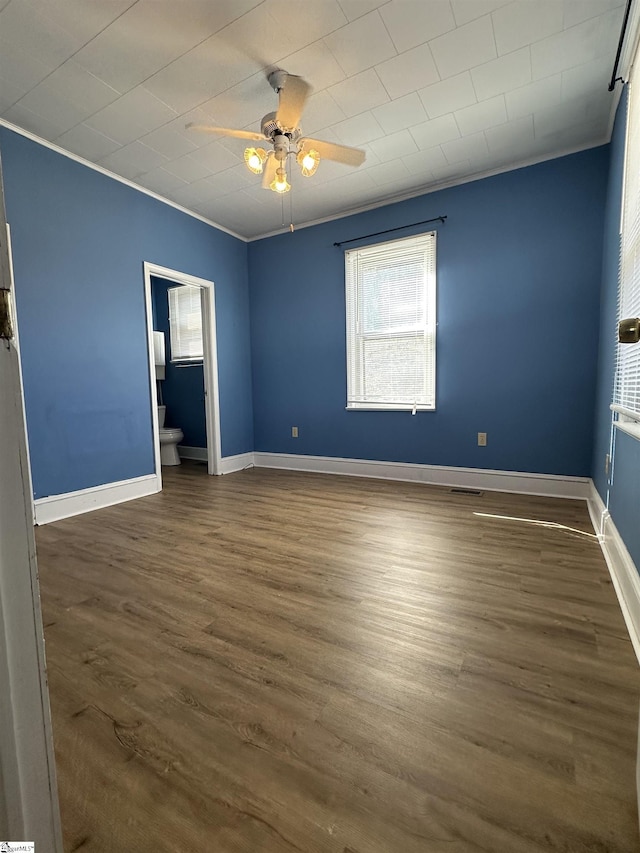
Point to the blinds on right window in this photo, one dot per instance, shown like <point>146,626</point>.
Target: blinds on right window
<point>626,397</point>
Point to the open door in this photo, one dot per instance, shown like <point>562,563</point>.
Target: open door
<point>28,793</point>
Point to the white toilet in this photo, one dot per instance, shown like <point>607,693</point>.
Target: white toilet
<point>169,440</point>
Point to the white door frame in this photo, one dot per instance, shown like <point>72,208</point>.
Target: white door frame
<point>28,791</point>
<point>210,362</point>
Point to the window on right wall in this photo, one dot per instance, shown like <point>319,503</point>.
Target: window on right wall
<point>391,325</point>
<point>626,395</point>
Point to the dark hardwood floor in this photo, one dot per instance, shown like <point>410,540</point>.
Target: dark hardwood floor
<point>274,661</point>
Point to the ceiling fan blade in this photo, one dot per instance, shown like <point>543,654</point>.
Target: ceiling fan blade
<point>293,96</point>
<point>227,131</point>
<point>269,171</point>
<point>340,153</point>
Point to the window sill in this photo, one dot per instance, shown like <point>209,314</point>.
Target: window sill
<point>627,421</point>
<point>187,362</point>
<point>409,409</point>
<point>630,427</point>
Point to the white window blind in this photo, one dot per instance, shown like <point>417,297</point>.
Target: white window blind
<point>627,381</point>
<point>185,323</point>
<point>391,328</point>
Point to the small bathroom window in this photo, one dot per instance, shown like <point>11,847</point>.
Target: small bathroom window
<point>185,323</point>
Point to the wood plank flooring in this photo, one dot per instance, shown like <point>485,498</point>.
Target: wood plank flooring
<point>273,661</point>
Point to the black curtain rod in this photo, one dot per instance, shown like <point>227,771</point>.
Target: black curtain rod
<point>389,230</point>
<point>623,32</point>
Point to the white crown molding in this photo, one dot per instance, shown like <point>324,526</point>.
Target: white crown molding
<point>442,185</point>
<point>425,190</point>
<point>547,485</point>
<point>94,166</point>
<point>57,507</point>
<point>623,571</point>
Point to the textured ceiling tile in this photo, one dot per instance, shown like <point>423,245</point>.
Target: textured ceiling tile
<point>36,32</point>
<point>358,130</point>
<point>10,93</point>
<point>400,114</point>
<point>449,95</point>
<point>533,97</point>
<point>34,123</point>
<point>465,148</point>
<point>243,104</point>
<point>357,8</point>
<point>325,18</point>
<point>434,132</point>
<point>388,173</point>
<point>361,44</point>
<point>74,83</point>
<point>60,111</point>
<point>187,169</point>
<point>87,142</point>
<point>359,93</point>
<point>394,145</point>
<point>169,142</point>
<point>160,181</point>
<point>216,158</point>
<point>409,71</point>
<point>425,161</point>
<point>133,159</point>
<point>524,22</point>
<point>511,138</point>
<point>501,75</point>
<point>468,10</point>
<point>201,74</point>
<point>582,43</point>
<point>481,116</point>
<point>577,11</point>
<point>81,19</point>
<point>316,64</point>
<point>585,79</point>
<point>320,111</point>
<point>412,22</point>
<point>461,49</point>
<point>136,113</point>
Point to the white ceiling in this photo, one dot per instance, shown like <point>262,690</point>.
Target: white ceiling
<point>435,91</point>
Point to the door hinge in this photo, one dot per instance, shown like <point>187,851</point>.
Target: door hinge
<point>6,331</point>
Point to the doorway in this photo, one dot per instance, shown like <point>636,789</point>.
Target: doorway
<point>209,361</point>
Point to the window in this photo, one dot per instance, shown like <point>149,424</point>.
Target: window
<point>391,324</point>
<point>185,323</point>
<point>626,395</point>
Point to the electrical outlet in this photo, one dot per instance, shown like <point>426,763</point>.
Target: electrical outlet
<point>294,432</point>
<point>482,439</point>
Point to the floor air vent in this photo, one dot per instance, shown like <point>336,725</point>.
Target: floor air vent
<point>475,492</point>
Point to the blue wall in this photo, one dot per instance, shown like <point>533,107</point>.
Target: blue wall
<point>79,242</point>
<point>519,262</point>
<point>183,386</point>
<point>624,490</point>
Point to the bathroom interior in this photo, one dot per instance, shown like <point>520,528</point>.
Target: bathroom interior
<point>179,372</point>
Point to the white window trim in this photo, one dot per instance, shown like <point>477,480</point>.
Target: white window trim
<point>430,329</point>
<point>185,360</point>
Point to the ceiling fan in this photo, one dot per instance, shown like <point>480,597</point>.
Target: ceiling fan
<point>281,129</point>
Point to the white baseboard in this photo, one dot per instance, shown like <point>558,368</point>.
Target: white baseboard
<point>57,507</point>
<point>623,571</point>
<point>548,485</point>
<point>229,464</point>
<point>197,453</point>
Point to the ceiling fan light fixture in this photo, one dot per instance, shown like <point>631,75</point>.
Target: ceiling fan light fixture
<point>255,158</point>
<point>280,184</point>
<point>308,161</point>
